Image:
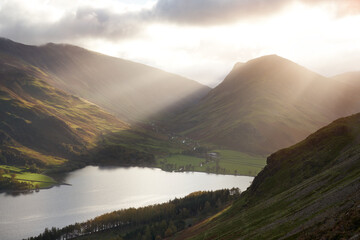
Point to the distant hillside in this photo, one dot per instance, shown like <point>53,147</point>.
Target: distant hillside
<point>351,78</point>
<point>131,90</point>
<point>52,130</point>
<point>43,125</point>
<point>266,104</point>
<point>308,191</point>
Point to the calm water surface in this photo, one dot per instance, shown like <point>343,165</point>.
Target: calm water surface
<point>98,190</point>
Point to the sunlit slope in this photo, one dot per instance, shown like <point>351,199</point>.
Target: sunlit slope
<point>41,124</point>
<point>131,90</point>
<point>266,104</point>
<point>307,191</point>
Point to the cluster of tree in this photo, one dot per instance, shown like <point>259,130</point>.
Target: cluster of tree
<point>201,152</point>
<point>11,183</point>
<point>173,167</point>
<point>119,155</point>
<point>33,168</point>
<point>152,222</point>
<point>216,169</point>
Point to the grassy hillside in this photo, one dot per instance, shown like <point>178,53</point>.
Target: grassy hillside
<point>307,191</point>
<point>266,104</point>
<point>39,121</point>
<point>43,127</point>
<point>51,130</point>
<point>131,90</point>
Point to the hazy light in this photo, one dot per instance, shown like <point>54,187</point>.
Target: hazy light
<point>312,35</point>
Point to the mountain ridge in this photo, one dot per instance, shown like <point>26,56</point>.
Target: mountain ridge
<point>266,104</point>
<point>132,91</point>
<point>38,120</point>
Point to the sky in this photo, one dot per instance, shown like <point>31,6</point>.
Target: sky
<point>198,39</point>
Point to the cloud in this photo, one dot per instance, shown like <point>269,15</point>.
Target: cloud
<point>215,12</point>
<point>210,12</point>
<point>340,8</point>
<point>84,22</point>
<point>78,20</point>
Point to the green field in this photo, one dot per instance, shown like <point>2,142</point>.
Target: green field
<point>243,163</point>
<point>226,162</point>
<point>23,175</point>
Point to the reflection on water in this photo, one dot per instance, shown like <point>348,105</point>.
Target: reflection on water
<point>98,190</point>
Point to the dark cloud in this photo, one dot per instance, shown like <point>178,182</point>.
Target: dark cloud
<point>82,23</point>
<point>86,22</point>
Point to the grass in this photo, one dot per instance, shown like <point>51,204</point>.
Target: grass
<point>229,162</point>
<point>242,163</point>
<point>144,140</point>
<point>23,175</point>
<point>180,161</point>
<point>301,193</point>
<point>47,124</point>
<point>46,159</point>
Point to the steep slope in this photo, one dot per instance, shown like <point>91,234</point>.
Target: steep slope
<point>131,90</point>
<point>40,124</point>
<point>349,78</point>
<point>308,191</point>
<point>266,104</point>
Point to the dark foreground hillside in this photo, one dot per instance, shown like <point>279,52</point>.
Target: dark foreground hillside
<point>308,191</point>
<point>152,222</point>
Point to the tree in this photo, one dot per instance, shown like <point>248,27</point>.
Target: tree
<point>207,207</point>
<point>168,232</point>
<point>1,174</point>
<point>13,175</point>
<point>147,234</point>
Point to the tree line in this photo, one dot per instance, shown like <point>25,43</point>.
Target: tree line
<point>149,223</point>
<point>11,183</point>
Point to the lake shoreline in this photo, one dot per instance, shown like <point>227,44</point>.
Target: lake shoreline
<point>59,176</point>
<point>98,190</point>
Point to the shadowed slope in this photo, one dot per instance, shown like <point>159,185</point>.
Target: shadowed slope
<point>307,191</point>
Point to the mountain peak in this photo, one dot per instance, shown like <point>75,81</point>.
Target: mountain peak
<point>238,65</point>
<point>269,59</point>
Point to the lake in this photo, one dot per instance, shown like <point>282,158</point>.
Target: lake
<point>96,190</point>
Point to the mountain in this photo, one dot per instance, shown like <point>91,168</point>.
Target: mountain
<point>267,104</point>
<point>41,124</point>
<point>131,90</point>
<point>307,191</point>
<point>349,78</point>
<point>54,131</point>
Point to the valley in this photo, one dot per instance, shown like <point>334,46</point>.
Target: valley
<point>83,134</point>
